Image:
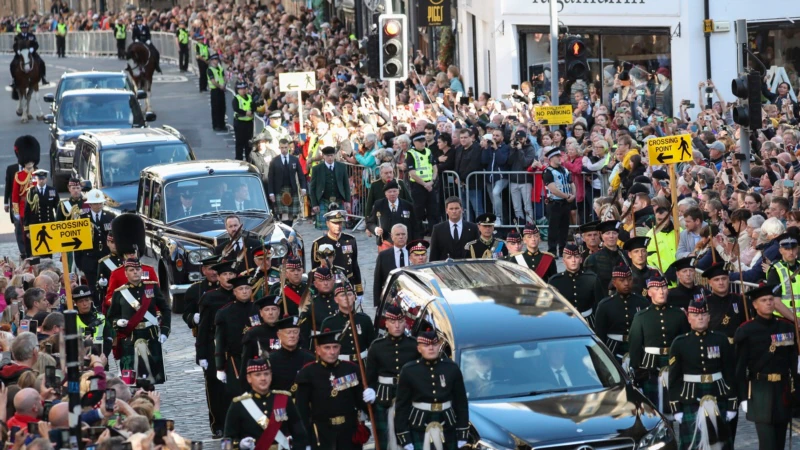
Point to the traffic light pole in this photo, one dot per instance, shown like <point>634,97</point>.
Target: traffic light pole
<point>387,9</point>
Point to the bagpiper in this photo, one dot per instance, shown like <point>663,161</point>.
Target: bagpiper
<point>614,315</point>
<point>262,339</point>
<point>418,251</point>
<point>580,287</point>
<point>609,256</point>
<point>290,358</point>
<point>320,305</point>
<point>263,417</point>
<point>231,322</point>
<point>345,298</point>
<point>487,246</point>
<point>702,389</point>
<point>636,249</point>
<point>543,263</point>
<point>726,308</point>
<point>686,289</point>
<point>345,248</point>
<point>652,331</point>
<point>294,287</point>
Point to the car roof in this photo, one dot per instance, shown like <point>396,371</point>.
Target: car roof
<point>98,91</point>
<point>191,169</point>
<point>129,136</point>
<point>93,74</point>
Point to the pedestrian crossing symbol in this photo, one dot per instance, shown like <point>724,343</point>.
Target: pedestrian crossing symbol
<point>297,81</point>
<point>64,236</point>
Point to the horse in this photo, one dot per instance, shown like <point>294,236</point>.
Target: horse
<point>144,65</point>
<point>26,75</point>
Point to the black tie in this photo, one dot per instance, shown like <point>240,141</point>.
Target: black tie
<point>41,192</point>
<point>455,232</point>
<point>560,377</point>
<point>402,259</point>
<point>236,248</point>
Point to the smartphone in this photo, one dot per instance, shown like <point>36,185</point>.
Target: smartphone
<point>34,261</point>
<point>13,434</point>
<point>50,379</point>
<point>690,105</point>
<point>788,183</point>
<point>33,428</point>
<point>541,99</point>
<point>93,432</point>
<point>111,399</point>
<point>225,444</point>
<point>640,92</point>
<point>303,137</point>
<point>160,430</point>
<point>668,120</point>
<point>514,87</point>
<point>659,118</point>
<point>24,325</point>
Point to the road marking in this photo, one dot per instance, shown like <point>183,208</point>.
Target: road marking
<point>196,369</point>
<point>42,87</point>
<point>169,79</point>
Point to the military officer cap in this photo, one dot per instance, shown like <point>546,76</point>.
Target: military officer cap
<point>328,150</point>
<point>80,292</point>
<point>761,291</point>
<point>224,266</point>
<point>41,173</point>
<point>393,312</point>
<point>277,115</point>
<point>182,22</point>
<point>269,300</point>
<point>294,263</point>
<point>683,263</point>
<point>322,273</point>
<point>656,280</point>
<point>210,261</point>
<point>243,280</point>
<point>418,136</point>
<point>74,181</point>
<point>555,151</point>
<point>487,219</point>
<point>260,251</point>
<point>589,226</point>
<point>638,188</point>
<point>530,228</point>
<point>698,305</point>
<point>94,197</point>
<point>325,250</point>
<point>327,337</point>
<point>23,24</point>
<point>636,243</point>
<point>288,322</point>
<point>513,237</point>
<point>621,271</point>
<point>660,174</point>
<point>391,185</point>
<point>715,270</point>
<point>571,250</point>
<point>608,225</point>
<point>335,216</point>
<point>132,262</point>
<point>258,365</point>
<point>241,85</point>
<point>428,337</point>
<point>187,193</point>
<point>418,247</point>
<point>786,240</point>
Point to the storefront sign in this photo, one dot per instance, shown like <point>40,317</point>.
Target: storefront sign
<point>553,115</point>
<point>669,149</point>
<point>620,8</point>
<point>434,13</point>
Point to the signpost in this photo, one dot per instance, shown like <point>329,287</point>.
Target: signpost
<point>553,115</point>
<point>298,82</point>
<point>64,237</point>
<point>671,150</point>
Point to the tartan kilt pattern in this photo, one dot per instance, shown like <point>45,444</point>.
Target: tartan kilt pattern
<point>156,359</point>
<point>687,426</point>
<point>418,434</point>
<point>382,424</point>
<point>652,386</point>
<point>292,210</point>
<point>319,223</point>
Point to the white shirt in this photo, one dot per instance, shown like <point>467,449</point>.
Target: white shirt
<point>561,373</point>
<point>239,205</point>
<point>397,256</point>
<point>460,227</point>
<point>330,167</point>
<point>394,206</point>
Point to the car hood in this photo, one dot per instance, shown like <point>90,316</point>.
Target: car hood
<point>122,198</point>
<point>214,226</point>
<point>67,135</point>
<point>620,411</point>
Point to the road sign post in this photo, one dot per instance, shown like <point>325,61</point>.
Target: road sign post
<point>64,237</point>
<point>671,150</point>
<point>298,82</point>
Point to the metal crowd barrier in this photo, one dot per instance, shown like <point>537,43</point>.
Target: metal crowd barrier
<point>737,286</point>
<point>359,178</point>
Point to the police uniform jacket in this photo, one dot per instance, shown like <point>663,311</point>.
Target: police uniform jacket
<point>614,316</point>
<point>141,33</point>
<point>581,288</point>
<point>191,300</point>
<point>327,392</point>
<point>346,257</point>
<point>45,208</point>
<point>285,366</point>
<point>433,382</point>
<point>21,37</point>
<point>94,321</point>
<point>652,332</point>
<point>535,259</point>
<point>210,303</point>
<point>232,321</point>
<point>709,356</point>
<point>680,295</point>
<point>387,356</point>
<point>603,262</point>
<point>121,309</point>
<point>324,306</point>
<point>364,330</point>
<point>727,314</point>
<point>239,423</point>
<point>383,217</point>
<point>482,249</point>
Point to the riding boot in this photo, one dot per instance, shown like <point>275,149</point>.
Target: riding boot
<point>43,69</point>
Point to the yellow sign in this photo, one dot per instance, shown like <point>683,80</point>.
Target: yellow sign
<point>297,81</point>
<point>64,236</point>
<point>708,26</point>
<point>553,115</point>
<point>670,149</point>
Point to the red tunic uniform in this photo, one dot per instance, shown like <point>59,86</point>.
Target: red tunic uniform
<point>118,278</point>
<point>22,183</point>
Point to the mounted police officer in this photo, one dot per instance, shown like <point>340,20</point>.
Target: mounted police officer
<point>614,314</point>
<point>581,288</point>
<point>121,35</point>
<point>243,113</point>
<point>609,256</point>
<point>182,35</point>
<point>487,246</point>
<point>364,331</point>
<point>290,358</point>
<point>141,33</point>
<point>422,174</point>
<point>26,39</point>
<point>90,321</point>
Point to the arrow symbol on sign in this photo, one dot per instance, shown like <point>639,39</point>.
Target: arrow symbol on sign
<point>662,157</point>
<point>292,86</point>
<point>74,244</point>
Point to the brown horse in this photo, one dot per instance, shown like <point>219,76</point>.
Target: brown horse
<point>141,65</point>
<point>26,75</point>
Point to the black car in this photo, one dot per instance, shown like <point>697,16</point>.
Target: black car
<point>181,232</point>
<point>71,81</point>
<point>88,110</point>
<point>506,329</point>
<point>113,160</point>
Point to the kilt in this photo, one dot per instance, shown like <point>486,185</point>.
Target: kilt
<point>418,434</point>
<point>382,425</point>
<point>292,210</point>
<point>687,425</point>
<point>319,222</point>
<point>155,358</point>
<point>652,388</point>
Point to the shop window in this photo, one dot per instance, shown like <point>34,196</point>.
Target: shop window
<point>776,45</point>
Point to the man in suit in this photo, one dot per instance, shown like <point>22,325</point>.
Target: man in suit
<point>187,208</point>
<point>449,238</point>
<point>390,211</point>
<point>390,259</point>
<point>285,173</point>
<point>238,242</point>
<point>329,184</point>
<point>562,371</point>
<point>41,203</point>
<point>89,260</point>
<point>240,200</point>
<point>377,187</point>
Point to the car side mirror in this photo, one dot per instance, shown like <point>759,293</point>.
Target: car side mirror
<point>141,95</point>
<point>86,186</point>
<point>149,116</point>
<point>49,118</point>
<point>49,98</point>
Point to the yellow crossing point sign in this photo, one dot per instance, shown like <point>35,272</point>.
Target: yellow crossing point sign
<point>297,81</point>
<point>670,149</point>
<point>64,236</point>
<point>553,115</point>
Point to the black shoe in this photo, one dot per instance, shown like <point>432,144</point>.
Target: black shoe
<point>217,434</point>
<point>44,81</point>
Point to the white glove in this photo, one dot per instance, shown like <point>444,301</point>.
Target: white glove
<point>247,443</point>
<point>122,323</point>
<point>744,406</point>
<point>16,217</point>
<point>678,417</point>
<point>30,50</point>
<point>148,42</point>
<point>162,339</point>
<point>730,415</point>
<point>102,282</point>
<point>359,300</point>
<point>272,197</point>
<point>408,447</point>
<point>798,366</point>
<point>308,447</point>
<point>221,376</point>
<point>460,444</point>
<point>302,192</point>
<point>204,364</point>
<point>196,318</point>
<point>368,395</point>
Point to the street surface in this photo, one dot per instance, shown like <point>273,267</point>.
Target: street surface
<point>178,103</point>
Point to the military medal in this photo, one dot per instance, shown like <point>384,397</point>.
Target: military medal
<point>441,381</point>
<point>726,319</point>
<point>334,391</point>
<point>281,415</point>
<point>772,348</point>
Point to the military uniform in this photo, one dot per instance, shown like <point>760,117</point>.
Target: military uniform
<point>70,209</point>
<point>40,207</point>
<point>89,260</point>
<point>640,276</point>
<point>191,302</point>
<point>602,263</point>
<point>262,338</point>
<point>346,257</point>
<point>613,319</point>
<point>294,295</point>
<point>263,283</point>
<point>105,266</point>
<point>493,249</point>
<point>287,363</point>
<point>727,312</point>
<point>231,322</point>
<point>431,398</point>
<point>218,398</point>
<point>582,289</point>
<point>364,330</point>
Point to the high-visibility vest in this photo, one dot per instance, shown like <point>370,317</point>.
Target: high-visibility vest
<point>121,32</point>
<point>183,36</point>
<point>97,337</point>
<point>786,290</point>
<point>667,248</point>
<point>61,28</point>
<point>18,28</point>
<point>202,50</point>
<point>219,76</point>
<point>422,164</point>
<point>244,105</point>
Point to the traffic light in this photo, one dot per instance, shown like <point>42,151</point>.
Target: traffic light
<point>393,39</point>
<point>575,54</point>
<point>748,88</point>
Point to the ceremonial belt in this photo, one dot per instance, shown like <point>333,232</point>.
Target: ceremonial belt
<point>292,295</point>
<point>110,264</point>
<point>544,263</point>
<point>435,407</point>
<point>771,377</point>
<point>387,380</point>
<point>352,357</point>
<point>272,427</point>
<point>705,378</point>
<point>618,337</point>
<point>587,313</point>
<point>148,317</point>
<point>137,316</point>
<point>657,350</point>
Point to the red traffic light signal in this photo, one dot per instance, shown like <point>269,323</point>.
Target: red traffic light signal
<point>577,48</point>
<point>575,58</point>
<point>392,28</point>
<point>393,44</point>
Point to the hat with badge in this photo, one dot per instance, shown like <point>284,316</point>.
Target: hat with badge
<point>786,240</point>
<point>213,57</point>
<point>636,243</point>
<point>293,263</point>
<point>239,281</point>
<point>715,270</point>
<point>555,151</point>
<point>288,322</point>
<point>589,226</point>
<point>41,173</point>
<point>486,219</point>
<point>393,312</point>
<point>682,263</point>
<point>224,266</point>
<point>697,305</point>
<point>418,247</point>
<point>325,250</point>
<point>761,291</point>
<point>420,136</point>
<point>327,337</point>
<point>269,300</point>
<point>95,196</point>
<point>261,251</point>
<point>513,237</point>
<point>428,337</point>
<point>258,365</point>
<point>571,250</point>
<point>621,271</point>
<point>337,216</point>
<point>656,281</point>
<point>608,225</point>
<point>81,291</point>
<point>241,85</point>
<point>530,228</point>
<point>276,115</point>
<point>323,274</point>
<point>391,185</point>
<point>328,150</point>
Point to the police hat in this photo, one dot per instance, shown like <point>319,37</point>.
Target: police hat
<point>327,337</point>
<point>269,300</point>
<point>683,263</point>
<point>419,247</point>
<point>555,151</point>
<point>213,57</point>
<point>637,242</point>
<point>608,225</point>
<point>761,291</point>
<point>243,280</point>
<point>786,240</point>
<point>128,231</point>
<point>715,270</point>
<point>420,136</point>
<point>241,85</point>
<point>82,291</point>
<point>335,216</point>
<point>258,365</point>
<point>275,114</point>
<point>138,17</point>
<point>23,24</point>
<point>288,322</point>
<point>27,149</point>
<point>224,266</point>
<point>391,185</point>
<point>328,150</point>
<point>487,219</point>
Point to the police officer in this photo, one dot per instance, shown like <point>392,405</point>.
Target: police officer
<point>418,252</point>
<point>105,266</point>
<point>345,298</point>
<point>182,35</point>
<point>120,35</point>
<point>780,272</point>
<point>264,415</point>
<point>132,327</point>
<point>766,361</point>
<point>614,315</point>
<point>609,256</point>
<point>26,41</point>
<point>652,332</point>
<point>231,322</point>
<point>216,80</point>
<point>701,382</point>
<point>263,277</point>
<point>329,396</point>
<point>436,410</point>
<point>262,339</point>
<point>243,112</point>
<point>561,200</point>
<point>726,308</point>
<point>202,56</point>
<point>294,287</point>
<point>192,296</point>
<point>345,247</point>
<point>321,306</point>
<point>40,206</point>
<point>387,355</point>
<point>90,321</point>
<point>422,173</point>
<point>290,358</point>
<point>686,289</point>
<point>141,33</point>
<point>513,244</point>
<point>61,37</point>
<point>636,249</point>
<point>581,288</point>
<point>210,303</point>
<point>543,263</point>
<point>487,246</point>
